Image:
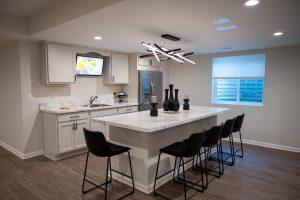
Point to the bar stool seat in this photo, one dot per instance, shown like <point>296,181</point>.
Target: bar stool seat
<point>116,149</point>
<point>175,149</point>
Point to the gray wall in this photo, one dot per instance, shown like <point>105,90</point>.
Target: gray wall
<point>276,122</point>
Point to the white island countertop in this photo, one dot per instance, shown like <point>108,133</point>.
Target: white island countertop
<point>142,121</point>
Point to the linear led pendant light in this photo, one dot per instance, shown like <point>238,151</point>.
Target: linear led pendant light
<point>159,51</point>
<point>175,54</point>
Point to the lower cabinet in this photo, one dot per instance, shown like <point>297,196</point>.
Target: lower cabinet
<point>63,134</point>
<point>71,136</point>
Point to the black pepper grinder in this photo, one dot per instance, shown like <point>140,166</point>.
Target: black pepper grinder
<point>153,110</point>
<point>186,105</point>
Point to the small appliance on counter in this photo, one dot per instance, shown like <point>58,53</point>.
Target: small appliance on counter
<point>120,97</point>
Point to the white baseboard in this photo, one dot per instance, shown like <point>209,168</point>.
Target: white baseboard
<point>20,154</point>
<point>269,145</point>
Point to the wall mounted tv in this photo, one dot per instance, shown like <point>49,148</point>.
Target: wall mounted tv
<point>89,64</point>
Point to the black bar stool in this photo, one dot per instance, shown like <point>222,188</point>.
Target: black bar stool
<point>237,129</point>
<point>98,146</point>
<point>212,139</point>
<point>185,149</point>
<point>226,133</point>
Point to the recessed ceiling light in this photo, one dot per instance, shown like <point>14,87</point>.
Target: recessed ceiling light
<point>251,2</point>
<point>98,37</point>
<point>222,20</point>
<point>278,34</point>
<point>227,27</point>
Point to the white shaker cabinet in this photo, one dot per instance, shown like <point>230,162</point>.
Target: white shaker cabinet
<point>65,137</point>
<point>79,140</point>
<point>58,64</point>
<point>63,133</point>
<point>116,69</point>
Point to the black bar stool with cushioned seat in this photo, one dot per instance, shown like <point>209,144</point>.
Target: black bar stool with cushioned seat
<point>98,146</point>
<point>226,133</point>
<point>237,129</point>
<point>185,149</point>
<point>212,138</point>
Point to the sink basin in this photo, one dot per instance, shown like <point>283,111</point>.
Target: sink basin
<point>96,105</point>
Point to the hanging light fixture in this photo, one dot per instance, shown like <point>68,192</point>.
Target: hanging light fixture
<point>175,54</point>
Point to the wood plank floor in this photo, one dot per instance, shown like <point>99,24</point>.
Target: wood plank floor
<point>263,174</point>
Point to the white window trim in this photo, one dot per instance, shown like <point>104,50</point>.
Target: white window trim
<point>239,103</point>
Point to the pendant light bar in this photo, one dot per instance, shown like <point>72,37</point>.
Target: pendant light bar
<point>159,51</point>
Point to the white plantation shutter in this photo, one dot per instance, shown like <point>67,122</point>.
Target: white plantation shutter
<point>238,79</point>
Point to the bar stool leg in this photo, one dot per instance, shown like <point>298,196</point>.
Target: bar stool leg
<point>106,180</point>
<point>174,168</point>
<point>183,173</point>
<point>222,159</point>
<point>133,187</point>
<point>201,170</point>
<point>232,149</point>
<point>241,144</point>
<point>86,163</point>
<point>219,164</point>
<point>205,163</point>
<point>154,191</point>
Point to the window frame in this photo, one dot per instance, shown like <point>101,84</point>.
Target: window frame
<point>238,102</point>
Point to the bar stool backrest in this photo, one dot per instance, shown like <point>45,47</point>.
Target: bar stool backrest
<point>96,143</point>
<point>213,136</point>
<point>194,144</point>
<point>238,123</point>
<point>227,128</point>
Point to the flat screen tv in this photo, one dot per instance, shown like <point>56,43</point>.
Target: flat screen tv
<point>89,65</point>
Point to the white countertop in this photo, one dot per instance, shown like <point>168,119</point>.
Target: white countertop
<point>142,121</point>
<point>57,110</point>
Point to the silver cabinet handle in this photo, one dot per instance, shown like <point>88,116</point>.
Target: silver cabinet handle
<point>113,79</point>
<point>74,116</point>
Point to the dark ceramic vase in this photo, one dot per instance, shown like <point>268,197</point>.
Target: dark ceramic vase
<point>171,98</point>
<point>166,101</point>
<point>176,104</point>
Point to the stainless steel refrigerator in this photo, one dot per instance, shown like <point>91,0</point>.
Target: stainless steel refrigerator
<point>150,84</point>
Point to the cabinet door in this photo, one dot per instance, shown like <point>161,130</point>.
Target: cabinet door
<point>65,137</point>
<point>102,127</point>
<point>120,67</point>
<point>79,135</point>
<point>61,62</point>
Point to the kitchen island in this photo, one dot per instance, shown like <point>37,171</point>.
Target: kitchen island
<point>145,135</point>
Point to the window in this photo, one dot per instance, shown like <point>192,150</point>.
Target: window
<point>238,79</point>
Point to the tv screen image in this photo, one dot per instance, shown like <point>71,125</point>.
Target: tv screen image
<point>88,66</point>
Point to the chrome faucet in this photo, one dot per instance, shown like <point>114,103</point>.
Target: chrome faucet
<point>92,99</point>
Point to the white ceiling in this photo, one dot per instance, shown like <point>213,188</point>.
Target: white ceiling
<point>25,8</point>
<point>126,24</point>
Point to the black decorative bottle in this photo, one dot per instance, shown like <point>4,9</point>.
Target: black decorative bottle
<point>171,98</point>
<point>176,104</point>
<point>166,101</point>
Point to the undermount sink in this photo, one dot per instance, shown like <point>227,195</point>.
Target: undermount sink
<point>96,105</point>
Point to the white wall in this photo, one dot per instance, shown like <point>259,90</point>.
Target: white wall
<point>22,126</point>
<point>10,100</point>
<point>276,122</point>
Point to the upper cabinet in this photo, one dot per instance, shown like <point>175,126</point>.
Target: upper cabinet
<point>59,64</point>
<point>116,69</point>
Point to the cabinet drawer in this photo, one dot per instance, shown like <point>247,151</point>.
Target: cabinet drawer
<point>73,116</point>
<point>128,109</point>
<point>106,112</point>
